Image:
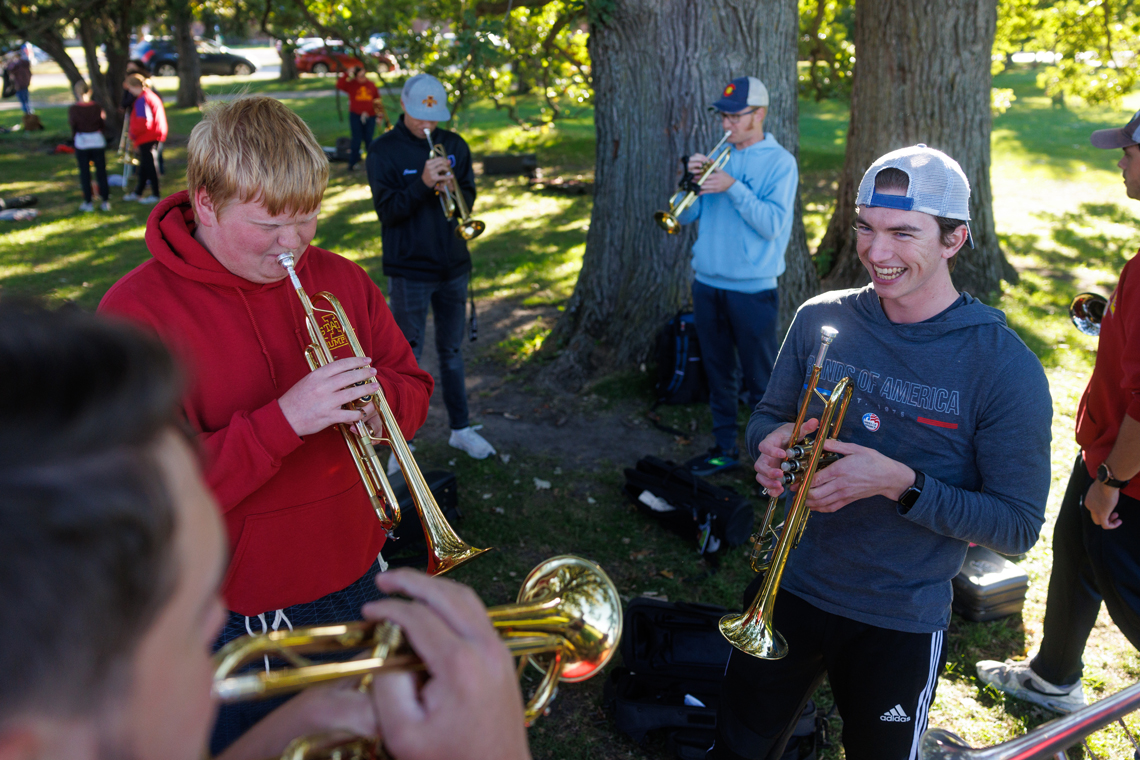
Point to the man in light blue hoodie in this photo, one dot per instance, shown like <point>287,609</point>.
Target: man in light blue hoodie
<point>746,212</point>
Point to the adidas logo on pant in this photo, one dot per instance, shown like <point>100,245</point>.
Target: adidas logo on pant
<point>895,715</point>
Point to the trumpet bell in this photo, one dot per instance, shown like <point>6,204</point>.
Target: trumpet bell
<point>470,229</point>
<point>754,637</point>
<point>1087,311</point>
<point>667,222</point>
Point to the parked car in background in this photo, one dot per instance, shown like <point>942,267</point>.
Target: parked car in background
<point>332,55</point>
<point>161,57</point>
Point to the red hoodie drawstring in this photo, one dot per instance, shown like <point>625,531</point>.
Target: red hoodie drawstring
<point>260,340</point>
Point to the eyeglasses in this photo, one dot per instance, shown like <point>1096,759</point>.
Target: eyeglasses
<point>735,117</point>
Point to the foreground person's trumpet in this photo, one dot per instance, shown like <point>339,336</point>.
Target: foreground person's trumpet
<point>691,187</point>
<point>330,331</point>
<point>567,623</point>
<point>752,631</point>
<point>452,200</point>
<point>1087,311</point>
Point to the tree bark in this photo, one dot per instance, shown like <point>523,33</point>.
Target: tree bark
<point>922,75</point>
<point>288,61</point>
<point>106,89</point>
<point>189,65</point>
<point>657,65</point>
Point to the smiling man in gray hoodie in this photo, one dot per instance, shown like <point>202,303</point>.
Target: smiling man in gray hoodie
<point>946,442</point>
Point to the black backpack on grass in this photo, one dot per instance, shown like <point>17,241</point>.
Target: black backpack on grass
<point>680,374</point>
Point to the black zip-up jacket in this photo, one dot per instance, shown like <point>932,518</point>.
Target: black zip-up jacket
<point>419,241</point>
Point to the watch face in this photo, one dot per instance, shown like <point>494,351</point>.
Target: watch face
<point>1102,473</point>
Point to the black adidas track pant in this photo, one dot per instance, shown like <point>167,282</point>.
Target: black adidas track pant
<point>883,682</point>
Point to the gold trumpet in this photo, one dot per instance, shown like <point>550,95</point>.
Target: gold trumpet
<point>691,188</point>
<point>1087,311</point>
<point>453,202</point>
<point>752,631</point>
<point>329,331</point>
<point>567,623</point>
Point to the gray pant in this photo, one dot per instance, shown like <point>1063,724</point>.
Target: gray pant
<point>409,300</point>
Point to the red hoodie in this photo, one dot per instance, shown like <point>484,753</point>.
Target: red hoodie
<point>148,119</point>
<point>1114,388</point>
<point>299,521</point>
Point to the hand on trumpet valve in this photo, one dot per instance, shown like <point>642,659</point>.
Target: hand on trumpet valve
<point>860,473</point>
<point>436,172</point>
<point>318,400</point>
<point>467,703</point>
<point>697,163</point>
<point>773,452</point>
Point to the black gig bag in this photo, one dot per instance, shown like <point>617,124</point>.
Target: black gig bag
<point>711,516</point>
<point>673,662</point>
<point>406,546</point>
<point>681,376</point>
<point>988,586</point>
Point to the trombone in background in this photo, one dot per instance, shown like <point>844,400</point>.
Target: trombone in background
<point>690,187</point>
<point>1087,311</point>
<point>1046,742</point>
<point>567,623</point>
<point>452,200</point>
<point>330,331</point>
<point>752,631</point>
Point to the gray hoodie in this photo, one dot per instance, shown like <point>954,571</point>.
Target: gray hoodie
<point>959,397</point>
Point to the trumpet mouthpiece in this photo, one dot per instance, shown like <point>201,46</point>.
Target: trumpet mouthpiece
<point>826,335</point>
<point>286,260</point>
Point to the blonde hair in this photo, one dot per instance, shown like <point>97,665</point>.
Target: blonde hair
<point>80,89</point>
<point>255,149</point>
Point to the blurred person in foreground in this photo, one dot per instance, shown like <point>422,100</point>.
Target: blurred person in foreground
<point>111,557</point>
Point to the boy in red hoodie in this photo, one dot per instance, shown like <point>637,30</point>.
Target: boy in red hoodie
<point>303,536</point>
<point>364,105</point>
<point>148,131</point>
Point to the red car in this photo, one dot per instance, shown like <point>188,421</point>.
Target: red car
<point>321,59</point>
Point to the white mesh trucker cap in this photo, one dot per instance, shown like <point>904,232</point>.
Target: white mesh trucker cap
<point>938,186</point>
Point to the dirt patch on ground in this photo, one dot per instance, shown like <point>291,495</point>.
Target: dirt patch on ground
<point>582,431</point>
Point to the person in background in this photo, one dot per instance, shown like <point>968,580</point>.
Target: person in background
<point>21,73</point>
<point>362,99</point>
<point>138,67</point>
<point>148,131</point>
<point>86,120</point>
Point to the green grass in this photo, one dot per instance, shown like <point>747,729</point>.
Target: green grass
<point>1060,211</point>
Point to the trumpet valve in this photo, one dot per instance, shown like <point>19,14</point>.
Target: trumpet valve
<point>789,479</point>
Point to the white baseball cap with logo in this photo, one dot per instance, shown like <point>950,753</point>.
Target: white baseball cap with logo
<point>424,98</point>
<point>937,185</point>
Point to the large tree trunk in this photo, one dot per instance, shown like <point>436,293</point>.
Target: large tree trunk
<point>922,75</point>
<point>106,88</point>
<point>288,62</point>
<point>657,65</point>
<point>189,66</point>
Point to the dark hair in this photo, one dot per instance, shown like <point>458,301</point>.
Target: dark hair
<point>896,179</point>
<point>86,523</point>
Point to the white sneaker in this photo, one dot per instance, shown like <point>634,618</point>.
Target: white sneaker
<point>131,197</point>
<point>393,463</point>
<point>474,444</point>
<point>86,206</point>
<point>106,206</point>
<point>150,200</point>
<point>1018,680</point>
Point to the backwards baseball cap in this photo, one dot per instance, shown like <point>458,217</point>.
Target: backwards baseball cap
<point>424,98</point>
<point>937,185</point>
<point>1127,135</point>
<point>741,93</point>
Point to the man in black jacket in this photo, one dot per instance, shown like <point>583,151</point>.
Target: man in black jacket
<point>425,261</point>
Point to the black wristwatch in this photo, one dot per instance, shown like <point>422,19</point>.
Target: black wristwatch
<point>910,495</point>
<point>1104,475</point>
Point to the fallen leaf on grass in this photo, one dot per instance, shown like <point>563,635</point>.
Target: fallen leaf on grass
<point>541,485</point>
<point>640,554</point>
<point>500,511</point>
<point>625,540</point>
<point>510,416</point>
<point>487,495</point>
<point>666,574</point>
<point>506,458</point>
<point>591,500</point>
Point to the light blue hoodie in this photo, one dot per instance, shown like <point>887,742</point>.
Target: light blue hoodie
<point>744,231</point>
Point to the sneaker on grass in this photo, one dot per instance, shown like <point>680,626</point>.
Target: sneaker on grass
<point>150,200</point>
<point>466,439</point>
<point>131,197</point>
<point>84,207</point>
<point>106,206</point>
<point>1018,680</point>
<point>713,461</point>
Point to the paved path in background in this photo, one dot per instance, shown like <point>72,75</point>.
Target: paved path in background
<point>14,105</point>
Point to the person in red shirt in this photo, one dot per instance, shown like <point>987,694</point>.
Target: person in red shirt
<point>1096,542</point>
<point>364,105</point>
<point>303,536</point>
<point>148,131</point>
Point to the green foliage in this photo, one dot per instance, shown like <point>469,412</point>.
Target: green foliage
<point>1093,41</point>
<point>827,30</point>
